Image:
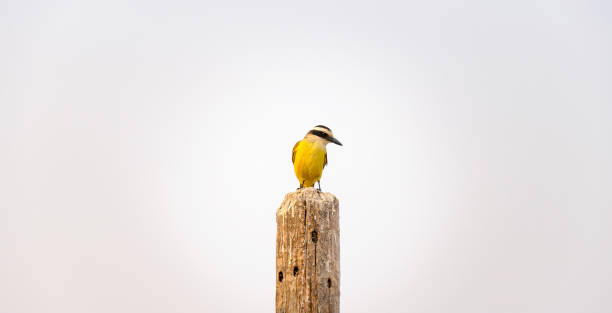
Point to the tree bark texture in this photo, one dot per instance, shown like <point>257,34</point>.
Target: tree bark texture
<point>308,253</point>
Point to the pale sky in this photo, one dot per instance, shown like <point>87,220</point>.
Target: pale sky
<point>145,148</point>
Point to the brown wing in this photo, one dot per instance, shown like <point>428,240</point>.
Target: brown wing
<point>294,151</point>
<point>325,163</point>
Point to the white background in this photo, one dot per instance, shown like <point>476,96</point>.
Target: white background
<point>145,147</point>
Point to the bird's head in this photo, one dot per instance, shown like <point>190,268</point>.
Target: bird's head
<point>322,134</point>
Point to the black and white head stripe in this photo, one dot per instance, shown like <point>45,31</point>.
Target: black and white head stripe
<point>322,131</point>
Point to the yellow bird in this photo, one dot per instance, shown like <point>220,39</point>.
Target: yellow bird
<point>309,155</point>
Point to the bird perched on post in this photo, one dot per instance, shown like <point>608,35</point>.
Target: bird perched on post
<point>309,155</point>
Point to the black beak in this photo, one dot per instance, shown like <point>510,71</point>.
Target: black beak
<point>334,140</point>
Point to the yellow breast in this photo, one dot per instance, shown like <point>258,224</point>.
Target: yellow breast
<point>309,160</point>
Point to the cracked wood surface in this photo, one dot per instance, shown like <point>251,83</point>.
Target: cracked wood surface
<point>308,253</point>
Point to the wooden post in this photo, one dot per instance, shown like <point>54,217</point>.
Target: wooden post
<point>308,253</point>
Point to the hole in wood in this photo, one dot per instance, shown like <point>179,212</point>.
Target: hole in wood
<point>280,276</point>
<point>295,270</point>
<point>314,236</point>
<point>329,283</point>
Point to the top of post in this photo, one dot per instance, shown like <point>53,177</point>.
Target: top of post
<point>308,194</point>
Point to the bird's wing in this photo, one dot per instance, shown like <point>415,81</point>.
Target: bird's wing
<point>294,151</point>
<point>325,163</point>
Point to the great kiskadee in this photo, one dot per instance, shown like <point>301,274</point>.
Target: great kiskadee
<point>309,155</point>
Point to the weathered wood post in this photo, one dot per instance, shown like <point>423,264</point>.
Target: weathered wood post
<point>308,253</point>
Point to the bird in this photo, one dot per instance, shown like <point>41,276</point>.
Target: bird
<point>309,155</point>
